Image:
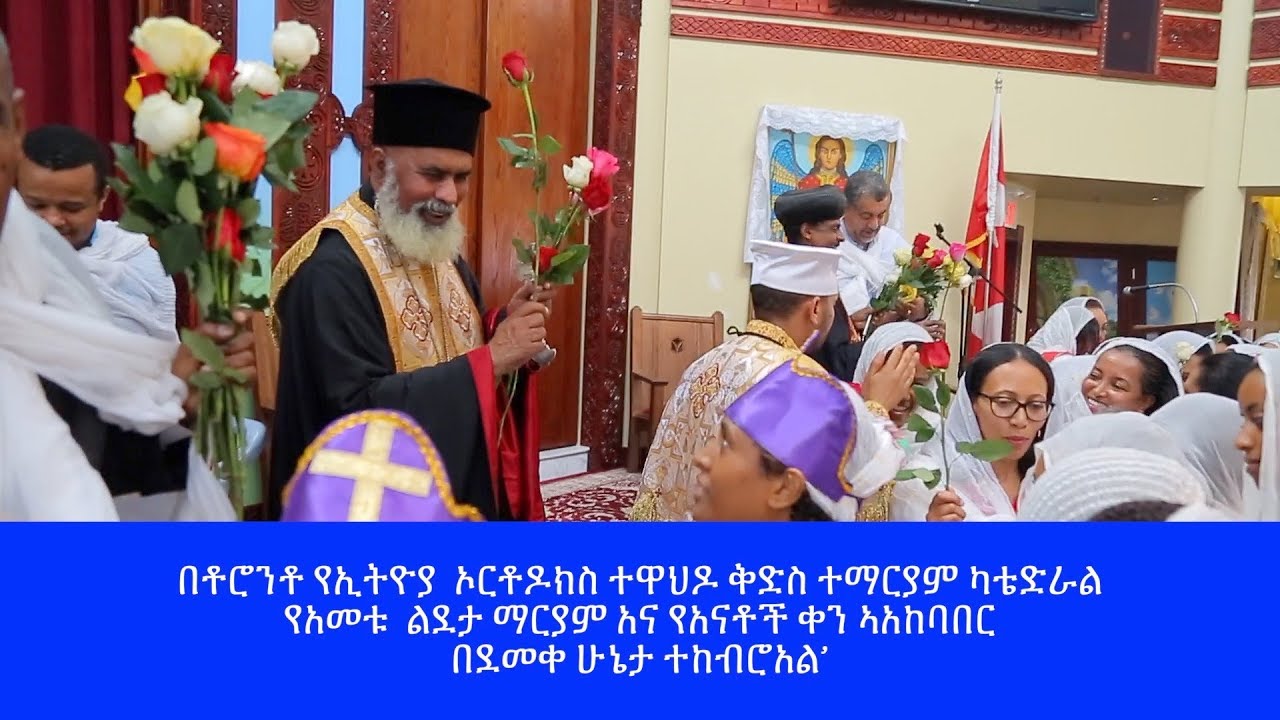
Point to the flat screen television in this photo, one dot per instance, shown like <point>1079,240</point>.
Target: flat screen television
<point>1072,10</point>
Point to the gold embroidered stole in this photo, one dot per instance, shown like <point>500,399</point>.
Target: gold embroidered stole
<point>692,416</point>
<point>429,314</point>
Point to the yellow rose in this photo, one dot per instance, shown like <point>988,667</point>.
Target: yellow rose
<point>177,47</point>
<point>957,271</point>
<point>133,93</point>
<point>908,293</point>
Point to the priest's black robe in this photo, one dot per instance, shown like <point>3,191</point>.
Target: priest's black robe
<point>335,359</point>
<point>129,462</point>
<point>838,354</point>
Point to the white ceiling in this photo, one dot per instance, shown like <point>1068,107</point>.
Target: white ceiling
<point>1090,190</point>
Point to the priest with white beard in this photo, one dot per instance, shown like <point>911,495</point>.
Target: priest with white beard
<point>375,308</point>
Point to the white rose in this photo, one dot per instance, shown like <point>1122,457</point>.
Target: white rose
<point>578,174</point>
<point>964,282</point>
<point>176,46</point>
<point>902,256</point>
<point>293,44</point>
<point>893,276</point>
<point>165,125</point>
<point>259,76</point>
<point>1184,352</point>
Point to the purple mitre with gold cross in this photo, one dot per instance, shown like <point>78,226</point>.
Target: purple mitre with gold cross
<point>805,419</point>
<point>373,465</point>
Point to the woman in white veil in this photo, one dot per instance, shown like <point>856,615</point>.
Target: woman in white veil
<point>1087,483</point>
<point>1093,305</point>
<point>1005,395</point>
<point>1271,341</point>
<point>1259,439</point>
<point>1064,333</point>
<point>1205,428</point>
<point>1069,373</point>
<point>1131,374</point>
<point>883,340</point>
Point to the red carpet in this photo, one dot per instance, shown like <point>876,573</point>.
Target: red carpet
<point>602,496</point>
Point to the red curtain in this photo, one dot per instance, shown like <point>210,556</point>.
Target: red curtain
<point>71,59</point>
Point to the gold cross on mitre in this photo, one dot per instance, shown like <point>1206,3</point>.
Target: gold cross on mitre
<point>372,471</point>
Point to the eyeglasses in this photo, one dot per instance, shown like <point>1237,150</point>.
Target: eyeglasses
<point>1006,407</point>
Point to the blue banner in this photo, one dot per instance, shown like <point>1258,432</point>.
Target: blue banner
<point>636,620</point>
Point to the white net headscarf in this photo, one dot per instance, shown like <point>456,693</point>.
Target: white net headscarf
<point>875,461</point>
<point>1069,373</point>
<point>1264,502</point>
<point>1080,302</point>
<point>1061,330</point>
<point>1268,340</point>
<point>1083,485</point>
<point>886,337</point>
<point>1205,428</point>
<point>1247,349</point>
<point>1170,362</point>
<point>1182,344</point>
<point>1130,430</point>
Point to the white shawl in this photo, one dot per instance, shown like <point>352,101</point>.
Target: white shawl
<point>1205,427</point>
<point>132,281</point>
<point>1061,330</point>
<point>53,324</point>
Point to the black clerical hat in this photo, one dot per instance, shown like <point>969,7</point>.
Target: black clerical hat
<point>814,205</point>
<point>426,113</point>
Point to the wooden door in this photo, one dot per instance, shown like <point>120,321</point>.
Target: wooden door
<point>1061,270</point>
<point>461,42</point>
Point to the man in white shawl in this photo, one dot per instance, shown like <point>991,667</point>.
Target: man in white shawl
<point>88,410</point>
<point>867,252</point>
<point>63,179</point>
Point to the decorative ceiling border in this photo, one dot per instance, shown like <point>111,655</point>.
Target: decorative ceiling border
<point>926,48</point>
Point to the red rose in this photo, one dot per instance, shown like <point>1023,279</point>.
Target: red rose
<point>546,253</point>
<point>939,257</point>
<point>229,239</point>
<point>1232,319</point>
<point>935,355</point>
<point>597,195</point>
<point>516,66</point>
<point>146,65</point>
<point>151,83</point>
<point>222,68</point>
<point>920,245</point>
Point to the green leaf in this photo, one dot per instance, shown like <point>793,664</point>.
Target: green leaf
<point>156,171</point>
<point>289,105</point>
<point>935,477</point>
<point>179,247</point>
<point>205,350</point>
<point>905,475</point>
<point>203,156</point>
<point>133,222</point>
<point>270,127</point>
<point>524,252</point>
<point>549,145</point>
<point>916,423</point>
<point>127,161</point>
<point>925,435</point>
<point>163,195</point>
<point>205,380</point>
<point>235,376</point>
<point>245,102</point>
<point>249,209</point>
<point>924,398</point>
<point>262,236</point>
<point>546,227</point>
<point>986,450</point>
<point>277,177</point>
<point>188,203</point>
<point>571,258</point>
<point>944,395</point>
<point>513,148</point>
<point>214,109</point>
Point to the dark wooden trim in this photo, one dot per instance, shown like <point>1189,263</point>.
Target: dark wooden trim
<point>608,277</point>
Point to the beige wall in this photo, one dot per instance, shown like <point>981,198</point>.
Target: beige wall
<point>700,101</point>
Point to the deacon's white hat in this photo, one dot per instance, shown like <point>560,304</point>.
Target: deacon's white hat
<point>800,269</point>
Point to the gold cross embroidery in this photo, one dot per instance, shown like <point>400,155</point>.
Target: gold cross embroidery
<point>372,472</point>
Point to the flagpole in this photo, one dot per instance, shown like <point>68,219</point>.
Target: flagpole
<point>993,182</point>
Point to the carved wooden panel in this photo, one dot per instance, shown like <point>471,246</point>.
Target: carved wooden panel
<point>1266,38</point>
<point>1194,38</point>
<point>609,271</point>
<point>381,62</point>
<point>1201,5</point>
<point>1264,5</point>
<point>1264,76</point>
<point>881,44</point>
<point>218,18</point>
<point>889,13</point>
<point>1182,74</point>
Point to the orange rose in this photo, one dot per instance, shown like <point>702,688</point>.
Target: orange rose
<point>241,153</point>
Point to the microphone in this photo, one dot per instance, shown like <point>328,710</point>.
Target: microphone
<point>1195,309</point>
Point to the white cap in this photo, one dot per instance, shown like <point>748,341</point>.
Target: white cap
<point>800,269</point>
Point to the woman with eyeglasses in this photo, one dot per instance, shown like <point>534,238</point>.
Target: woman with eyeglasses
<point>1004,395</point>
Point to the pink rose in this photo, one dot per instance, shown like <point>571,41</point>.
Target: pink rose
<point>603,164</point>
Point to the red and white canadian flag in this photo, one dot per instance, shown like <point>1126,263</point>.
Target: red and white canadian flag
<point>985,239</point>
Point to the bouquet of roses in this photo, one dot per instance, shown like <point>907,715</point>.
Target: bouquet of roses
<point>936,357</point>
<point>552,257</point>
<point>212,126</point>
<point>923,272</point>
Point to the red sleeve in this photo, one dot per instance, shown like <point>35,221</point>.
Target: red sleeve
<point>513,456</point>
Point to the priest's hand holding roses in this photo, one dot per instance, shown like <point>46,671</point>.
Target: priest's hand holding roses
<point>521,336</point>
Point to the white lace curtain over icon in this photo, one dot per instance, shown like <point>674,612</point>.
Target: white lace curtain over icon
<point>798,147</point>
